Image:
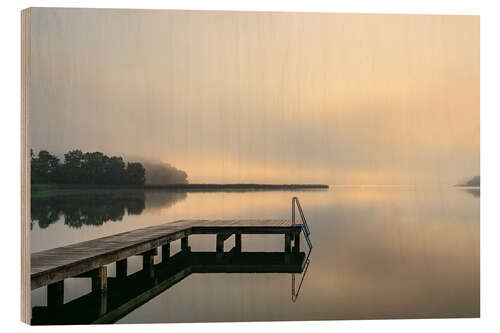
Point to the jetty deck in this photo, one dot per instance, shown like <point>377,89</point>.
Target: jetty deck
<point>89,258</point>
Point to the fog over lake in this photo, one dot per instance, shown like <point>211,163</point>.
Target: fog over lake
<point>262,97</point>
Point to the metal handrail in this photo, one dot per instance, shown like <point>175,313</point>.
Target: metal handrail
<point>295,200</point>
<point>295,295</point>
<point>305,227</point>
<point>307,232</point>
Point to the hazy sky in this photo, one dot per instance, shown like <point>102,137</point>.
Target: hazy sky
<point>262,97</point>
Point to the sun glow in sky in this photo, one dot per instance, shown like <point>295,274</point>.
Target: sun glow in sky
<point>262,97</point>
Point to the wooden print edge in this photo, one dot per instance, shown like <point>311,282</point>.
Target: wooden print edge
<point>25,165</point>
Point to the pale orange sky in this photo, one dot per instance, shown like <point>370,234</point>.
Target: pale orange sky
<point>262,97</point>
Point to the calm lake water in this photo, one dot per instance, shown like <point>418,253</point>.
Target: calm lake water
<point>378,252</point>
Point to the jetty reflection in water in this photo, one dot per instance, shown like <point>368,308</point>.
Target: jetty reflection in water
<point>379,253</point>
<point>124,294</point>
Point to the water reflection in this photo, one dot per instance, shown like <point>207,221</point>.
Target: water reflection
<point>296,290</point>
<point>96,208</point>
<point>378,253</point>
<point>124,294</point>
<point>476,192</point>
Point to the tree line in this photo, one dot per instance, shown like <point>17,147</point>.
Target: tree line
<point>85,168</point>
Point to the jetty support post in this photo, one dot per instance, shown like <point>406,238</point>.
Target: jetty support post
<point>103,303</point>
<point>288,242</point>
<point>185,244</point>
<point>296,243</point>
<point>220,241</point>
<point>55,294</point>
<point>121,268</point>
<point>288,247</point>
<point>148,261</point>
<point>165,252</point>
<point>237,242</point>
<point>220,245</point>
<point>99,286</point>
<point>99,278</point>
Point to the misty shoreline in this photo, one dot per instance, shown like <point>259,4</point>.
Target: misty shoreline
<point>473,182</point>
<point>239,187</point>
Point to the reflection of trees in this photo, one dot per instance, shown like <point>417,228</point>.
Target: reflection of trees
<point>97,207</point>
<point>95,210</point>
<point>44,213</point>
<point>86,209</point>
<point>135,207</point>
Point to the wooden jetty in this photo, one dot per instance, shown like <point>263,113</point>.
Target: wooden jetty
<point>89,259</point>
<point>127,293</point>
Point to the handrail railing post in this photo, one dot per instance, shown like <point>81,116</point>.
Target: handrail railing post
<point>307,232</point>
<point>304,225</point>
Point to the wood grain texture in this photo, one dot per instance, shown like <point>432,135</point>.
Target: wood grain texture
<point>56,264</point>
<point>25,165</point>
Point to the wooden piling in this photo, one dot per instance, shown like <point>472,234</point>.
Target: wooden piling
<point>220,243</point>
<point>55,294</point>
<point>121,268</point>
<point>148,261</point>
<point>100,279</point>
<point>165,252</point>
<point>296,243</point>
<point>221,237</point>
<point>185,244</point>
<point>103,303</point>
<point>237,242</point>
<point>287,242</point>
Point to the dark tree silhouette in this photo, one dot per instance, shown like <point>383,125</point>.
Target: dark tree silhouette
<point>115,171</point>
<point>72,169</point>
<point>85,168</point>
<point>136,174</point>
<point>475,181</point>
<point>45,168</point>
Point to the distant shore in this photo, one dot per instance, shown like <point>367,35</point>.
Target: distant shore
<point>184,187</point>
<point>252,187</point>
<point>473,182</point>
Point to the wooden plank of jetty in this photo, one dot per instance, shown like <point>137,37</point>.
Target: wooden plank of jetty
<point>54,265</point>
